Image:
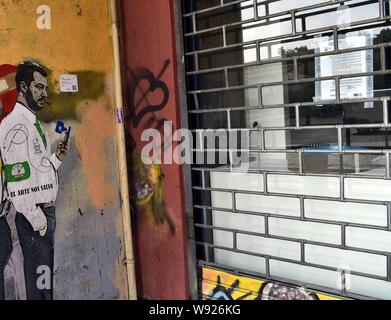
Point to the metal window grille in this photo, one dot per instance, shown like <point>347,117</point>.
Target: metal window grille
<point>218,35</point>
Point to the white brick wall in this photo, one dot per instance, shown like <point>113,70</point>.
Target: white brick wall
<point>369,287</point>
<point>346,212</point>
<point>237,221</point>
<point>355,261</point>
<point>268,204</point>
<point>221,199</point>
<point>239,260</point>
<point>304,185</point>
<point>320,277</point>
<point>277,248</point>
<point>237,181</point>
<point>318,232</point>
<point>223,239</point>
<point>368,239</point>
<point>367,189</point>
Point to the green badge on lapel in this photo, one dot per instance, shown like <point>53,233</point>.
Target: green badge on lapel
<point>17,172</point>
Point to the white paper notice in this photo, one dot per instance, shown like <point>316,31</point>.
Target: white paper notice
<point>69,83</point>
<point>347,63</point>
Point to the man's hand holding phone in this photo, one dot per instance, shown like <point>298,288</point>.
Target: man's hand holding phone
<point>64,146</point>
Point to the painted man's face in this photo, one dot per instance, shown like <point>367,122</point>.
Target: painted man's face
<point>37,92</point>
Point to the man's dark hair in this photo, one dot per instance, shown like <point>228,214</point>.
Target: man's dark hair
<point>25,73</point>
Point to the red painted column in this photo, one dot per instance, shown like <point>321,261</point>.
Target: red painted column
<point>151,97</point>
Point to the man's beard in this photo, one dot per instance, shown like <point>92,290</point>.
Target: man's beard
<point>31,102</point>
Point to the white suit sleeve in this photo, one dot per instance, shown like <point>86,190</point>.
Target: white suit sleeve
<point>53,158</point>
<point>55,161</point>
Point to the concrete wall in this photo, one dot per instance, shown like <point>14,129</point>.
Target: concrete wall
<point>152,96</point>
<point>88,240</point>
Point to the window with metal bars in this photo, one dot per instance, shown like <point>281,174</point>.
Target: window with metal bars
<point>310,80</point>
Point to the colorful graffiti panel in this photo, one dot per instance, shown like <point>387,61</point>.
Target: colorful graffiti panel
<point>221,285</point>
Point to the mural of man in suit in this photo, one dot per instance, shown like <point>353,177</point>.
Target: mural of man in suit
<point>30,177</point>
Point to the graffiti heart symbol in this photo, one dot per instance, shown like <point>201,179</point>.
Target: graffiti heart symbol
<point>154,87</point>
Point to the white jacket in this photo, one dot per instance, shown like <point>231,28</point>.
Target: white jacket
<point>29,168</point>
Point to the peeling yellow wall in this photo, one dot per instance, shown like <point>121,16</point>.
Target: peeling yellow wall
<point>89,230</point>
<point>78,40</point>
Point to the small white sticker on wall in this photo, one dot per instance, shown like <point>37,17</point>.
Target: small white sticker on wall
<point>69,83</point>
<point>120,115</point>
<point>44,21</point>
